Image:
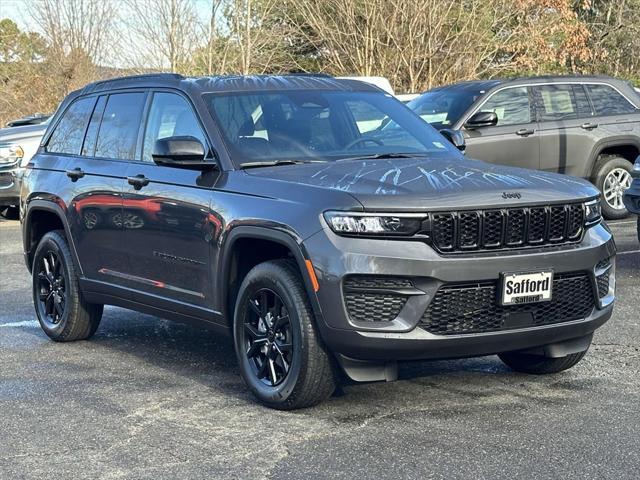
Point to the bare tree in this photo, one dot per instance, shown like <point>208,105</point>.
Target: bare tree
<point>71,25</point>
<point>163,34</point>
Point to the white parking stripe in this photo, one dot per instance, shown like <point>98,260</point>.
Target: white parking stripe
<point>629,252</point>
<point>24,323</point>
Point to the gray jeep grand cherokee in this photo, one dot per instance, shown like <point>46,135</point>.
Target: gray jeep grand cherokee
<point>275,210</point>
<point>583,126</point>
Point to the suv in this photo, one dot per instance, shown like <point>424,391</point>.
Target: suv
<point>583,126</point>
<point>17,146</point>
<point>273,209</point>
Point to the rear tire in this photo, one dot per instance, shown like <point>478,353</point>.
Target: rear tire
<point>62,311</point>
<point>538,364</point>
<point>281,356</point>
<point>608,172</point>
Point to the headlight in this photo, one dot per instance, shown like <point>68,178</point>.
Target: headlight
<point>374,224</point>
<point>592,212</point>
<point>10,154</point>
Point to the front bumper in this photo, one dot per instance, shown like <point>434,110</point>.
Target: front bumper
<point>9,187</point>
<point>335,258</point>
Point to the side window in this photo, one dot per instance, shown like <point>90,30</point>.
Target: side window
<point>511,105</point>
<point>555,102</point>
<point>118,132</point>
<point>69,133</point>
<point>89,145</point>
<point>582,102</point>
<point>607,101</point>
<point>170,116</point>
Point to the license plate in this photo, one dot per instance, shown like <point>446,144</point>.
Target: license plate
<point>530,287</point>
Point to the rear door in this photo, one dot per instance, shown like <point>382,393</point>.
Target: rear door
<point>514,140</point>
<point>168,227</point>
<point>92,186</point>
<point>566,126</point>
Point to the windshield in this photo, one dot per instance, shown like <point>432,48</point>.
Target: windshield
<point>313,125</point>
<point>443,107</point>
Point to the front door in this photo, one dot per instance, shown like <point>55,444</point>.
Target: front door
<point>514,140</point>
<point>168,227</point>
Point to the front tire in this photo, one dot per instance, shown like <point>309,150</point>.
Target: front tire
<point>538,364</point>
<point>62,311</point>
<point>612,176</point>
<point>281,356</point>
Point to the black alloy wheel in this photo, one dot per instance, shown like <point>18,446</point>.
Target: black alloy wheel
<point>63,312</point>
<point>268,337</point>
<point>52,294</point>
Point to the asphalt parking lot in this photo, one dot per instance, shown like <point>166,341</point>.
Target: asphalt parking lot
<point>148,398</point>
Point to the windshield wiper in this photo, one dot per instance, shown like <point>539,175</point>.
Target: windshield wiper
<point>382,156</point>
<point>275,163</point>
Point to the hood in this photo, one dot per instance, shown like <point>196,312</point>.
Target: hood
<point>12,134</point>
<point>416,184</point>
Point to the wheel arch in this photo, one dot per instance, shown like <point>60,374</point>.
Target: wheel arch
<point>231,271</point>
<point>43,216</point>
<point>628,148</point>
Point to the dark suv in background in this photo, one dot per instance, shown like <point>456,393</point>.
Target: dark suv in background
<point>583,126</point>
<point>277,209</point>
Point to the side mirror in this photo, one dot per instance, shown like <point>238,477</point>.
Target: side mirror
<point>181,152</point>
<point>456,137</point>
<point>482,119</point>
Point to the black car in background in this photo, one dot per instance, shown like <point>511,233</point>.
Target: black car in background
<point>277,210</point>
<point>632,195</point>
<point>583,126</point>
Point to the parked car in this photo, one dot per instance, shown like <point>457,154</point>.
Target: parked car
<point>35,119</point>
<point>632,195</point>
<point>316,245</point>
<point>583,126</point>
<point>17,146</point>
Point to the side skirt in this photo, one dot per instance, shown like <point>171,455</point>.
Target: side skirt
<point>108,294</point>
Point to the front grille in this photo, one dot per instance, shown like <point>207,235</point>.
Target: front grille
<point>507,228</point>
<point>474,308</point>
<point>375,299</point>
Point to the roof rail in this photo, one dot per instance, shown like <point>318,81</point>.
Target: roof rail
<point>148,76</point>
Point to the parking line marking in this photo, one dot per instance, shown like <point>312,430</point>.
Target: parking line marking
<point>24,323</point>
<point>628,252</point>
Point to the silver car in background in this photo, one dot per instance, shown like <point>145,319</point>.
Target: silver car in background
<point>17,146</point>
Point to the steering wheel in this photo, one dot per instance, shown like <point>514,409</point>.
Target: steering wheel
<point>360,140</point>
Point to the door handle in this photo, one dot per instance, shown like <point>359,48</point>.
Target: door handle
<point>75,174</point>
<point>524,132</point>
<point>589,126</point>
<point>138,181</point>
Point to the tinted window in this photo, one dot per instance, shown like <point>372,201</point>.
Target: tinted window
<point>444,107</point>
<point>556,102</point>
<point>170,116</point>
<point>607,101</point>
<point>120,124</point>
<point>320,126</point>
<point>511,105</point>
<point>582,101</point>
<point>69,133</point>
<point>89,144</point>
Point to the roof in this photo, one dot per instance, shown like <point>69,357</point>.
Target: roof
<point>231,83</point>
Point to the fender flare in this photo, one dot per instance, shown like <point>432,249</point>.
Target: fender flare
<point>601,145</point>
<point>293,244</point>
<point>51,207</point>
